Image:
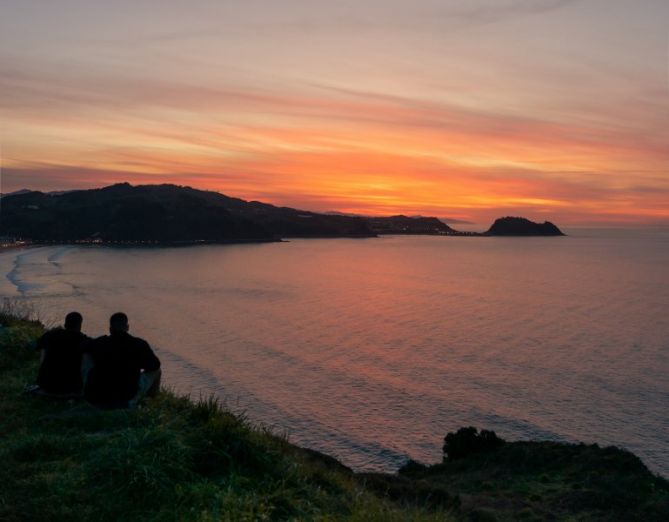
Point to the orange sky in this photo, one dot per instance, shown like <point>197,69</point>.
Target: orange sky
<point>508,107</point>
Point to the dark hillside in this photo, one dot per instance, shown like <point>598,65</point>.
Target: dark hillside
<point>409,225</point>
<point>161,213</point>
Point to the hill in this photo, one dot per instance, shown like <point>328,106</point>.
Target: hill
<point>519,226</point>
<point>418,225</point>
<point>171,214</point>
<point>162,213</point>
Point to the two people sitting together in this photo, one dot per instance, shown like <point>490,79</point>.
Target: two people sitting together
<point>112,371</point>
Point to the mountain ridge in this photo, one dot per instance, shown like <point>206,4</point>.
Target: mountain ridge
<point>173,214</point>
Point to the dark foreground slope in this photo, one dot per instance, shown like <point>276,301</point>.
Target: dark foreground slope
<point>175,459</point>
<point>541,480</point>
<point>161,213</point>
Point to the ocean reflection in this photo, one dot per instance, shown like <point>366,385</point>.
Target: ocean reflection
<point>372,350</point>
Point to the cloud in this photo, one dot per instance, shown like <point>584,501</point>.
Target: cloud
<point>497,11</point>
<point>306,18</point>
<point>382,185</point>
<point>230,117</point>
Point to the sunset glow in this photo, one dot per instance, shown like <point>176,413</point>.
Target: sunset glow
<point>468,110</point>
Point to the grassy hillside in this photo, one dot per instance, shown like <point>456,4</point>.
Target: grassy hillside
<point>171,460</point>
<point>175,459</point>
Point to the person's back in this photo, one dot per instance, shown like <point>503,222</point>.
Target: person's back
<point>60,370</point>
<point>118,360</point>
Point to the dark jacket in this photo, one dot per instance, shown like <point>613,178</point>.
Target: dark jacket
<point>60,370</point>
<point>118,360</point>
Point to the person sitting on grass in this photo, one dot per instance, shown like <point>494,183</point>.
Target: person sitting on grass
<point>121,368</point>
<point>59,373</point>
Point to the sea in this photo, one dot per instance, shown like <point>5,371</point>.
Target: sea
<point>372,350</point>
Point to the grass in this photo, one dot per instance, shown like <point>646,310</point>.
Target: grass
<point>173,459</point>
<point>180,460</point>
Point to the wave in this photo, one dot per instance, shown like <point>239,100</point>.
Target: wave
<point>36,271</point>
<point>59,252</point>
<point>15,276</point>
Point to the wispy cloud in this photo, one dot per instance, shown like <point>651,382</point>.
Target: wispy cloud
<point>149,105</point>
<point>488,12</point>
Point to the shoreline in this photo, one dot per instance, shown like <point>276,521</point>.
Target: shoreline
<point>241,241</point>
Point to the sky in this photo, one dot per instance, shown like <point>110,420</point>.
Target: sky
<point>468,110</point>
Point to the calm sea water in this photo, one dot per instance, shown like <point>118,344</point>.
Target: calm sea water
<point>372,350</point>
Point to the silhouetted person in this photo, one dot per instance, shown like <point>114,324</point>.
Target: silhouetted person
<point>61,349</point>
<point>123,368</point>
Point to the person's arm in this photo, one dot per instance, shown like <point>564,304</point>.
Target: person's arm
<point>87,361</point>
<point>149,362</point>
<point>86,365</point>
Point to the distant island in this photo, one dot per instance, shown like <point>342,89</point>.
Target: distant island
<point>171,214</point>
<point>518,226</point>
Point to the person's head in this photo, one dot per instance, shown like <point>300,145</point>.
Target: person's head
<point>118,323</point>
<point>73,321</point>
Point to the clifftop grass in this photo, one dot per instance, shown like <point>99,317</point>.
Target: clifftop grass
<point>175,459</point>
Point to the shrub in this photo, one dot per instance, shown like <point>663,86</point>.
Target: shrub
<point>17,312</point>
<point>467,441</point>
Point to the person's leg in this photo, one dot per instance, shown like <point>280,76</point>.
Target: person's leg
<point>148,385</point>
<point>154,387</point>
<point>86,365</point>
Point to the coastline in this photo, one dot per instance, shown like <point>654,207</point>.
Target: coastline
<point>138,243</point>
<point>197,461</point>
<point>14,246</point>
<point>237,241</point>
